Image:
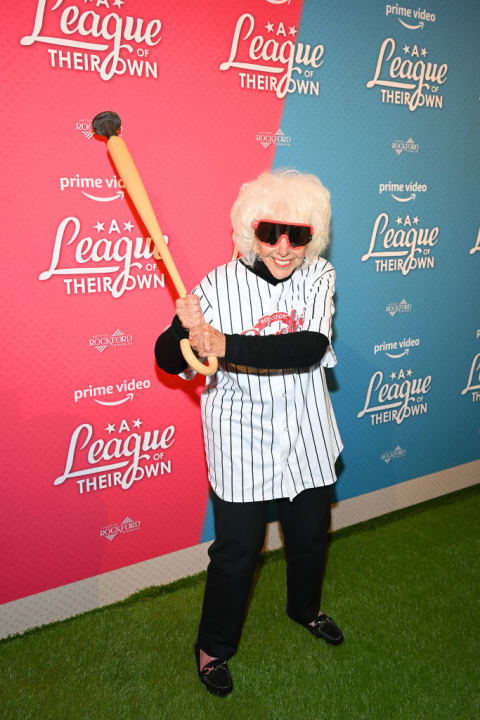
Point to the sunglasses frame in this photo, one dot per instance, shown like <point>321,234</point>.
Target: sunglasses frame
<point>256,223</point>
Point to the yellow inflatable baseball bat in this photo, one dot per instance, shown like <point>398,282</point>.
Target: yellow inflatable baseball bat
<point>108,124</point>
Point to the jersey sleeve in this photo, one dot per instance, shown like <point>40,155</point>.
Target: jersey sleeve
<point>319,309</point>
<point>205,290</point>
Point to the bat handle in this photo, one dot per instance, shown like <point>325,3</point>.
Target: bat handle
<point>194,362</point>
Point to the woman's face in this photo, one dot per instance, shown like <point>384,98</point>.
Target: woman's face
<point>282,259</point>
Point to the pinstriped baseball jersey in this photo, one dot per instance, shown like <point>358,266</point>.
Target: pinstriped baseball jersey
<point>269,433</point>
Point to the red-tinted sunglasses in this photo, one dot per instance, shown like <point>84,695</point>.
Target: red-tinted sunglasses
<point>271,232</point>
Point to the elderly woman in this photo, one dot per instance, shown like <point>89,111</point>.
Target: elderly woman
<point>269,428</point>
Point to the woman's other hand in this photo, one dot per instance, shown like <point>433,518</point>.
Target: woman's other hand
<point>189,311</point>
<point>207,341</point>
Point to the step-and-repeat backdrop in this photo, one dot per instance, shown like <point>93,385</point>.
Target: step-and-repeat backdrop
<point>103,461</point>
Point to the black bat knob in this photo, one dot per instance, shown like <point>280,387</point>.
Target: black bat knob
<point>106,123</point>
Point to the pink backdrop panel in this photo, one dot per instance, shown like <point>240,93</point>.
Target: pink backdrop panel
<point>85,299</point>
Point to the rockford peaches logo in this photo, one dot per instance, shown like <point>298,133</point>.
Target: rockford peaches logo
<point>290,321</point>
<point>117,339</point>
<point>127,526</point>
<point>393,454</point>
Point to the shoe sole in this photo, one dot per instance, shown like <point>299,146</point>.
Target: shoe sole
<point>329,640</point>
<point>215,691</point>
<point>332,642</point>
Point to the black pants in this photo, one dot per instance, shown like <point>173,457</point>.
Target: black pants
<point>240,534</point>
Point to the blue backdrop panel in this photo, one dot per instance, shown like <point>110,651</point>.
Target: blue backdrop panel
<point>410,171</point>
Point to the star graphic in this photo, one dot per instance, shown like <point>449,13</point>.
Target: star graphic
<point>110,428</point>
<point>416,220</point>
<point>118,3</point>
<point>99,226</point>
<point>269,27</point>
<point>393,375</point>
<point>399,220</point>
<point>127,225</point>
<point>423,52</point>
<point>137,423</point>
<point>409,372</point>
<point>406,49</point>
<point>292,30</point>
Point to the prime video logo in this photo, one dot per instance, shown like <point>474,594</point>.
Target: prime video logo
<point>396,349</point>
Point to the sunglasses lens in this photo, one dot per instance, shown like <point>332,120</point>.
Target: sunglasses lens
<point>270,232</point>
<point>266,232</point>
<point>299,235</point>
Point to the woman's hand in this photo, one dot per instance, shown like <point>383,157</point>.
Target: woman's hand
<point>189,311</point>
<point>207,341</point>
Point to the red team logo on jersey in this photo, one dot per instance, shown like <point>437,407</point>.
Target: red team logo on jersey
<point>292,322</point>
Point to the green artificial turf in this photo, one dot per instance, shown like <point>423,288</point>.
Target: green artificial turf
<point>404,588</point>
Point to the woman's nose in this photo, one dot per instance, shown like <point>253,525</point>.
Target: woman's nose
<point>283,246</point>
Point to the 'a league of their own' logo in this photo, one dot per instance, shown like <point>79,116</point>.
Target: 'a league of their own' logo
<point>473,382</point>
<point>116,45</point>
<point>112,261</point>
<point>400,396</point>
<point>409,79</point>
<point>403,248</point>
<point>121,460</point>
<point>272,61</point>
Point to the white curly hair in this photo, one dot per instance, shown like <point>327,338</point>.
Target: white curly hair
<point>287,196</point>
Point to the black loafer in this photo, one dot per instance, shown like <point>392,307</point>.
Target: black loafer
<point>215,675</point>
<point>326,629</point>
